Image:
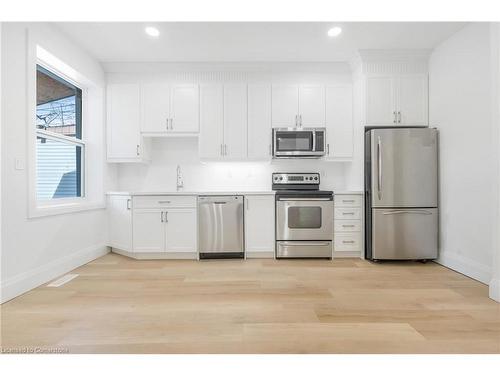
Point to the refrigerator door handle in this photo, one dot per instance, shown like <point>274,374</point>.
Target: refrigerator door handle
<point>419,212</point>
<point>379,168</point>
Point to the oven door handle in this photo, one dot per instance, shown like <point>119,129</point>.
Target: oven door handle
<point>305,243</point>
<point>305,199</point>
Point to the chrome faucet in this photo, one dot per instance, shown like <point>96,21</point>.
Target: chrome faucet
<point>180,183</point>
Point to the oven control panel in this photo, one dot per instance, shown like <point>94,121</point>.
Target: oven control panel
<point>295,178</point>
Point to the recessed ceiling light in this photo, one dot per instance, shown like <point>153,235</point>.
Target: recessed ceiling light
<point>152,31</point>
<point>334,31</point>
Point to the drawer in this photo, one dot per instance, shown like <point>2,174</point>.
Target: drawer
<point>347,225</point>
<point>164,201</point>
<point>348,200</point>
<point>345,213</point>
<point>347,242</point>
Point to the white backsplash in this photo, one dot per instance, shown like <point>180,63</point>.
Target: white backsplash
<point>167,153</point>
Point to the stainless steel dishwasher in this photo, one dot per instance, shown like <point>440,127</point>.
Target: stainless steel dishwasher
<point>220,226</point>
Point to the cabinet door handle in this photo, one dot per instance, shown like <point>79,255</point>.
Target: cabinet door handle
<point>171,124</point>
<point>167,123</point>
<point>128,204</point>
<point>296,124</point>
<point>300,121</point>
<point>328,149</point>
<point>137,150</point>
<point>399,117</point>
<point>161,216</point>
<point>166,216</point>
<point>394,117</point>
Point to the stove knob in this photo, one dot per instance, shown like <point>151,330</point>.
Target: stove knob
<point>281,178</point>
<point>316,178</point>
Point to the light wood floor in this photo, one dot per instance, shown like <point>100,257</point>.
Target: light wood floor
<point>120,305</point>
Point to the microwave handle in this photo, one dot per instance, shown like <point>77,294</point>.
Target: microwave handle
<point>314,140</point>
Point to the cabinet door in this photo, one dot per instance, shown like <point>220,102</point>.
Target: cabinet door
<point>149,231</point>
<point>380,100</point>
<point>259,122</point>
<point>339,128</point>
<point>123,119</point>
<point>181,230</point>
<point>413,97</point>
<point>235,121</point>
<point>211,122</point>
<point>285,105</point>
<point>312,106</point>
<point>184,109</point>
<point>155,104</point>
<point>259,223</point>
<point>120,222</point>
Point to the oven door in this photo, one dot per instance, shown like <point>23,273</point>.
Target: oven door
<point>304,219</point>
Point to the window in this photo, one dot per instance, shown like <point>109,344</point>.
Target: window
<point>60,150</point>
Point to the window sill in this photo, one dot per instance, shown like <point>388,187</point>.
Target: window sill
<point>63,208</point>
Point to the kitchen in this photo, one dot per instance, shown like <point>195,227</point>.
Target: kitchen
<point>304,200</point>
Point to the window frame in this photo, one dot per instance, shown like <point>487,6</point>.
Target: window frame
<point>64,205</point>
<point>77,140</point>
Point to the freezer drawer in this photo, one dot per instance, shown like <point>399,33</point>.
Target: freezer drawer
<point>405,233</point>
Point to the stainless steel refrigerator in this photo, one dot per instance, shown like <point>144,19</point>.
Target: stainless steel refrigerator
<point>401,193</point>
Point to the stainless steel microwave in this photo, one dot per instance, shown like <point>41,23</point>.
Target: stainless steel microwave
<point>299,143</point>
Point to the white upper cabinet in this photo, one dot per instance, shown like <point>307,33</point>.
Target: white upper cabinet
<point>223,118</point>
<point>155,108</point>
<point>259,122</point>
<point>235,121</point>
<point>285,106</point>
<point>339,122</point>
<point>211,122</point>
<point>169,109</point>
<point>311,106</point>
<point>298,106</point>
<point>184,109</point>
<point>413,100</point>
<point>124,141</point>
<point>397,100</point>
<point>380,100</point>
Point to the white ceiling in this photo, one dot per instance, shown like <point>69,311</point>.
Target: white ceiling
<point>256,41</point>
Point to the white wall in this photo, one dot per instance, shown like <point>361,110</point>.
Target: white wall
<point>168,153</point>
<point>460,106</point>
<point>37,250</point>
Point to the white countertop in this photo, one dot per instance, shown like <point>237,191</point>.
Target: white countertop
<point>259,192</point>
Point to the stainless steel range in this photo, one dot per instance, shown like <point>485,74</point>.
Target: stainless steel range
<point>304,216</point>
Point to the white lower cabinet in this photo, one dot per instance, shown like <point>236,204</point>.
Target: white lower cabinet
<point>348,226</point>
<point>181,230</point>
<point>119,209</point>
<point>259,226</point>
<point>149,231</point>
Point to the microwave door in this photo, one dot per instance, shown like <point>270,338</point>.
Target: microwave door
<point>293,142</point>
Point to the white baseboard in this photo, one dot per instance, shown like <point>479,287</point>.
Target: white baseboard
<point>26,281</point>
<point>156,256</point>
<point>466,266</point>
<point>495,289</point>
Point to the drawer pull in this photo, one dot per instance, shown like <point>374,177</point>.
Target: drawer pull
<point>348,225</point>
<point>350,241</point>
<point>348,200</point>
<point>347,213</point>
<point>164,202</point>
